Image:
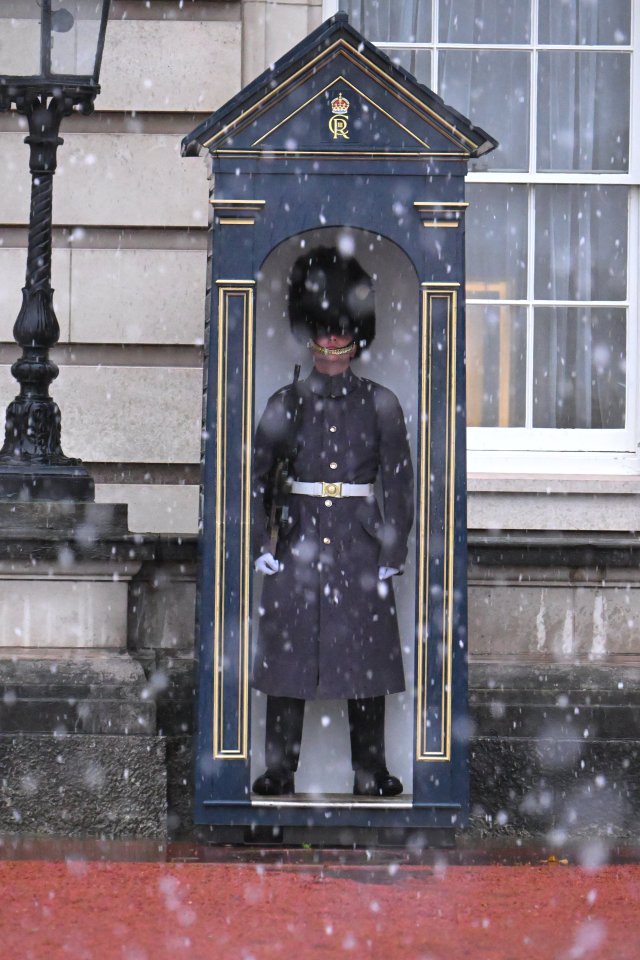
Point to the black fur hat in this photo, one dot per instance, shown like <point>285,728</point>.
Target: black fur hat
<point>329,293</point>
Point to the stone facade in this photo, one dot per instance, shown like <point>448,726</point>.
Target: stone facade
<point>554,588</point>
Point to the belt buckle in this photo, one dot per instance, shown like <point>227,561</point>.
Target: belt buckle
<point>330,489</point>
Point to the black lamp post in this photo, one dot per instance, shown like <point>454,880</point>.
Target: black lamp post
<point>52,51</point>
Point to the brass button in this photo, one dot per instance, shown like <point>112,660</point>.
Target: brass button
<point>328,503</point>
<point>326,540</point>
<point>333,465</point>
<point>332,428</point>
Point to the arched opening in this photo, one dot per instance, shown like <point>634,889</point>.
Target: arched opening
<point>393,361</point>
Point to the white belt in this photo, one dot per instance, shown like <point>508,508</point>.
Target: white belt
<point>331,489</point>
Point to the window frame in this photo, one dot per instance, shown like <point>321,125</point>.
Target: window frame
<point>518,449</point>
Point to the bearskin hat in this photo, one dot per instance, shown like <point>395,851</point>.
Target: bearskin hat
<point>329,293</point>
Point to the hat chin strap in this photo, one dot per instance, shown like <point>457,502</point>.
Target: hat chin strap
<point>330,351</point>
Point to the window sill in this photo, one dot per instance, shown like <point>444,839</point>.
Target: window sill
<point>554,502</point>
<point>507,465</point>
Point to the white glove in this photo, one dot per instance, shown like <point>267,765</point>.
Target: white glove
<point>267,564</point>
<point>385,572</point>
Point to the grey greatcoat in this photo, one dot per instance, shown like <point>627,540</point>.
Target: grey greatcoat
<point>328,625</point>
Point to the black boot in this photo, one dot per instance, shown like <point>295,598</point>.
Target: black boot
<point>274,783</point>
<point>285,716</point>
<point>376,783</point>
<point>366,725</point>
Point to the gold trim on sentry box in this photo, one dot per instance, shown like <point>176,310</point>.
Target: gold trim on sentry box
<point>241,204</point>
<point>267,153</point>
<point>449,293</point>
<point>439,213</point>
<point>244,290</point>
<point>237,221</point>
<point>340,47</point>
<point>338,82</point>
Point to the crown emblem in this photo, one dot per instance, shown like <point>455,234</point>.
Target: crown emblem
<point>340,104</point>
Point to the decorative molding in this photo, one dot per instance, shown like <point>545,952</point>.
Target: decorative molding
<point>337,49</point>
<point>232,623</point>
<point>336,82</point>
<point>436,582</point>
<point>440,214</point>
<point>242,206</point>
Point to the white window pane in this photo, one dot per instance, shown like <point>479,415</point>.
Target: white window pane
<point>579,359</point>
<point>74,39</point>
<point>408,21</point>
<point>581,243</point>
<point>417,62</point>
<point>496,241</point>
<point>492,89</point>
<point>584,21</point>
<point>496,365</point>
<point>583,111</point>
<point>485,21</point>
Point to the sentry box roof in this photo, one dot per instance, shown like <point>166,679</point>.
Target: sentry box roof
<point>297,106</point>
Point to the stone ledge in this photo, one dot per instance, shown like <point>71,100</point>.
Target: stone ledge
<point>83,786</point>
<point>47,520</point>
<point>118,674</point>
<point>552,548</point>
<point>549,484</point>
<point>577,788</point>
<point>106,695</point>
<point>584,504</point>
<point>65,533</point>
<point>544,681</point>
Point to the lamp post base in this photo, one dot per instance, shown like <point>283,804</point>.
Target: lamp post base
<point>40,481</point>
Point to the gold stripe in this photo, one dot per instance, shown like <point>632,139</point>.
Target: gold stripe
<point>341,80</point>
<point>236,203</point>
<point>425,488</point>
<point>431,291</point>
<point>343,154</point>
<point>239,751</point>
<point>440,223</point>
<point>456,135</point>
<point>247,408</point>
<point>330,53</point>
<point>439,283</point>
<point>218,566</point>
<point>237,221</point>
<point>447,528</point>
<point>452,505</point>
<point>444,205</point>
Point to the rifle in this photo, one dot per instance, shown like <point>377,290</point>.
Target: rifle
<point>278,486</point>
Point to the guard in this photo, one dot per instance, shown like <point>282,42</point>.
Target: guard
<point>328,626</point>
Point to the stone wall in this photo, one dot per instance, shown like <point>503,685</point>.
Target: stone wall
<point>96,660</point>
<point>129,262</point>
<point>554,683</point>
<point>97,725</point>
<point>96,672</point>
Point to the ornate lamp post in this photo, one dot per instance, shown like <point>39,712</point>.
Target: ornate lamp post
<point>50,58</point>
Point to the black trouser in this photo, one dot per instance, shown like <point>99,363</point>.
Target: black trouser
<point>285,717</point>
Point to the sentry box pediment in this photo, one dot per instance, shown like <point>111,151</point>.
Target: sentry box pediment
<point>337,93</point>
<point>336,147</point>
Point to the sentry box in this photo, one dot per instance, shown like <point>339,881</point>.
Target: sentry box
<point>335,147</point>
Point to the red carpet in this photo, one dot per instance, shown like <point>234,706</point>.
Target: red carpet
<point>82,910</point>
